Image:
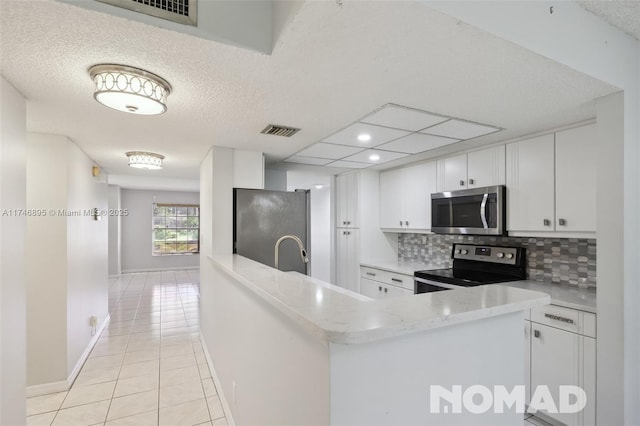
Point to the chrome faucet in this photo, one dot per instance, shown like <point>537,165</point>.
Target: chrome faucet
<point>303,252</point>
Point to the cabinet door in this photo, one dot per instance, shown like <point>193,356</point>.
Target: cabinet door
<point>419,184</point>
<point>452,173</point>
<point>342,201</point>
<point>531,184</point>
<point>555,361</point>
<point>353,260</point>
<point>391,199</point>
<point>589,379</point>
<point>370,288</point>
<point>353,201</point>
<point>393,291</point>
<point>342,261</point>
<point>527,361</point>
<point>576,179</point>
<point>486,167</point>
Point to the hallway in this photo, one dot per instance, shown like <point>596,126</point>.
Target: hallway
<point>148,367</point>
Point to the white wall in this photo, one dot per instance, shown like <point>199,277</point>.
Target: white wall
<point>321,220</point>
<point>67,260</point>
<point>46,246</point>
<point>87,255</point>
<point>13,331</point>
<point>275,180</point>
<point>578,39</point>
<point>115,235</point>
<point>136,230</point>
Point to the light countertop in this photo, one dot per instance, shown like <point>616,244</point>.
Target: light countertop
<point>565,295</point>
<point>343,317</point>
<point>406,268</point>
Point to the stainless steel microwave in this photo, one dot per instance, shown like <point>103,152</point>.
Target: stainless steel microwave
<point>477,211</point>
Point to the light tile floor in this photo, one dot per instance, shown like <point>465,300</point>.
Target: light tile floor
<point>148,367</point>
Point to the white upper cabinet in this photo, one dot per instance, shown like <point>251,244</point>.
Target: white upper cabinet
<point>348,200</point>
<point>551,182</point>
<point>485,167</point>
<point>452,173</point>
<point>576,179</point>
<point>405,197</point>
<point>530,184</point>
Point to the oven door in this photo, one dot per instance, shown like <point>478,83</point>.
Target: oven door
<point>479,211</point>
<point>420,285</point>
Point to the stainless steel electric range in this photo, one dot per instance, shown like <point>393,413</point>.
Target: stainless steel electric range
<point>474,265</point>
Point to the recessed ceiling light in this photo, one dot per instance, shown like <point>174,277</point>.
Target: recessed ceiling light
<point>374,157</point>
<point>364,137</point>
<point>319,186</point>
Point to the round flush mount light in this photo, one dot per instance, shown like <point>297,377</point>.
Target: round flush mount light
<point>145,160</point>
<point>129,89</point>
<point>318,186</point>
<point>374,157</point>
<point>364,137</point>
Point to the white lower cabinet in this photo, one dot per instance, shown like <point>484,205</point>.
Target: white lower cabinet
<point>560,354</point>
<point>380,284</point>
<point>348,259</point>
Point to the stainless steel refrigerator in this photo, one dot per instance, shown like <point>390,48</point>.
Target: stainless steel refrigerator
<point>261,217</point>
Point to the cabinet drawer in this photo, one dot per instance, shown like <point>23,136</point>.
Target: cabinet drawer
<point>372,274</point>
<point>565,319</point>
<point>399,280</point>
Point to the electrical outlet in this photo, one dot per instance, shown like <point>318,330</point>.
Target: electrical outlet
<point>424,239</point>
<point>93,321</point>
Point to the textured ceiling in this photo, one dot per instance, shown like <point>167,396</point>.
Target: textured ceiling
<point>330,66</point>
<point>624,15</point>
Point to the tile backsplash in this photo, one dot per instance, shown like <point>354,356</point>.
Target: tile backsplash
<point>551,260</point>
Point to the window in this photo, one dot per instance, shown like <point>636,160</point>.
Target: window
<point>176,229</point>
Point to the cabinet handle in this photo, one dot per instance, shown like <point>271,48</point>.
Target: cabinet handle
<point>396,280</point>
<point>400,223</point>
<point>546,222</point>
<point>371,274</point>
<point>406,222</point>
<point>471,181</point>
<point>562,222</point>
<point>536,334</point>
<point>559,318</point>
<point>344,222</point>
<point>348,232</point>
<point>461,183</point>
<point>380,288</point>
<point>344,232</point>
<point>385,290</point>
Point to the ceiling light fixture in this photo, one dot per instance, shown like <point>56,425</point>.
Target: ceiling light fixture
<point>364,137</point>
<point>130,89</point>
<point>319,186</point>
<point>374,157</point>
<point>145,160</point>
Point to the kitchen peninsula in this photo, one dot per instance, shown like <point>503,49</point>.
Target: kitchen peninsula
<point>290,349</point>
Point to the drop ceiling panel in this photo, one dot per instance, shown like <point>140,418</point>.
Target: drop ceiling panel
<point>459,129</point>
<point>327,150</point>
<point>378,134</point>
<point>308,160</point>
<point>384,156</point>
<point>403,118</point>
<point>417,142</point>
<point>349,164</point>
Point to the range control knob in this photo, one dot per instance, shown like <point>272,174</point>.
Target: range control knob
<point>509,255</point>
<point>457,251</point>
<point>465,251</point>
<point>500,255</point>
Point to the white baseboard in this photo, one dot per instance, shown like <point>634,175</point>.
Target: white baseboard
<point>65,385</point>
<point>177,268</point>
<point>216,381</point>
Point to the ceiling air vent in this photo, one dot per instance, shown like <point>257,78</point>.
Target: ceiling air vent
<point>180,11</point>
<point>274,129</point>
